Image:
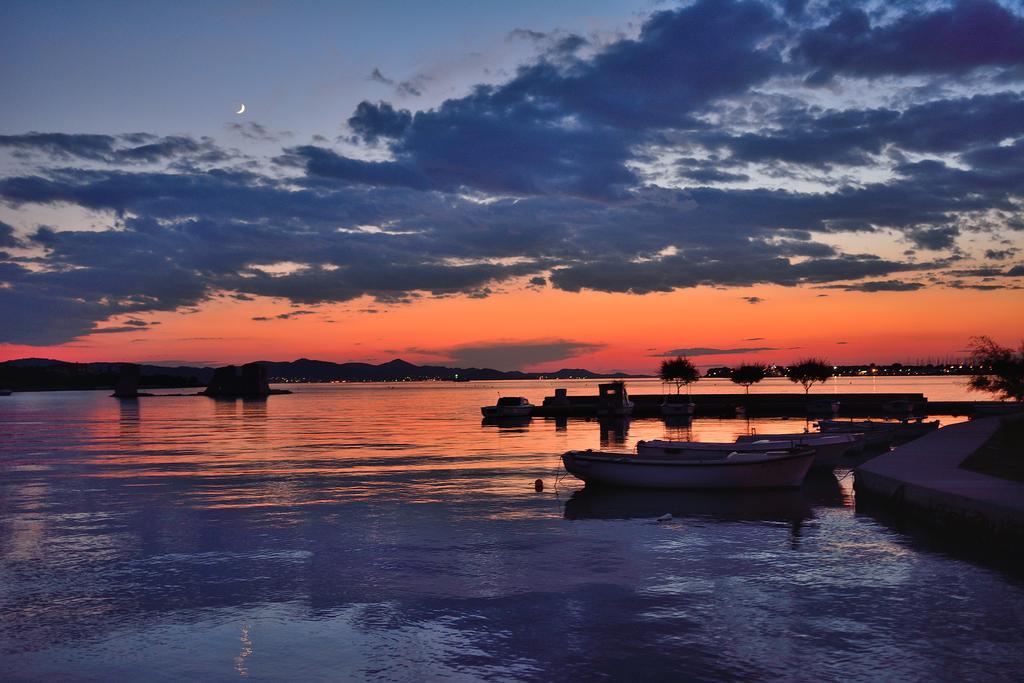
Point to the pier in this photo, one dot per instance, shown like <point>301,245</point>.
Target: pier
<point>773,405</point>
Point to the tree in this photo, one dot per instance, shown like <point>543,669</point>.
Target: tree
<point>809,372</point>
<point>1002,369</point>
<point>747,375</point>
<point>680,371</point>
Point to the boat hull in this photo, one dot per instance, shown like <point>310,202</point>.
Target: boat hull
<point>876,435</point>
<point>678,409</point>
<point>754,471</point>
<point>829,450</point>
<point>507,411</point>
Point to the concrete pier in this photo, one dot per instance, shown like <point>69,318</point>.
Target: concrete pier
<point>756,405</point>
<point>924,478</point>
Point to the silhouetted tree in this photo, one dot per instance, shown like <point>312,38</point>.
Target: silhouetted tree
<point>679,371</point>
<point>1002,369</point>
<point>809,372</point>
<point>747,375</point>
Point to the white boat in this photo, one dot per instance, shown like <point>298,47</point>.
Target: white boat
<point>708,470</point>
<point>657,448</point>
<point>829,449</point>
<point>675,405</point>
<point>509,406</point>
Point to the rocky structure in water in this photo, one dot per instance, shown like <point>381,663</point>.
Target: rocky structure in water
<point>230,380</point>
<point>127,381</point>
<point>249,381</point>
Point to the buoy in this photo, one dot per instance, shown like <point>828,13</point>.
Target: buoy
<point>667,517</point>
<point>538,485</point>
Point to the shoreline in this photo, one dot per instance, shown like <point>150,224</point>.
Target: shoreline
<point>924,480</point>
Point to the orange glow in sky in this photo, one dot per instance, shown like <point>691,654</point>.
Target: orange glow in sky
<point>628,331</point>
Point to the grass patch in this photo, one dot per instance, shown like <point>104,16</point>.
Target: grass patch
<point>1003,455</point>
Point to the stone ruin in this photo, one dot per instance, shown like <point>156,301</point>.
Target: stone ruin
<point>232,381</point>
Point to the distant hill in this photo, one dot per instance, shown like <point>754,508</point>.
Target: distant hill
<point>28,374</point>
<point>304,369</point>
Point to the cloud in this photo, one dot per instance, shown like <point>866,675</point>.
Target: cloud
<point>880,286</point>
<point>130,148</point>
<point>257,131</point>
<point>7,238</point>
<point>753,299</point>
<point>945,40</point>
<point>516,355</point>
<point>685,155</point>
<point>704,351</point>
<point>934,238</point>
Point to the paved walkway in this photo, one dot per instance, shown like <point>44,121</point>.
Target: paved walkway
<point>925,474</point>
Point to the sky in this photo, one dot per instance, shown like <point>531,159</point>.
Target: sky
<point>527,185</point>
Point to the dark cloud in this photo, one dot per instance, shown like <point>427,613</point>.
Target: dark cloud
<point>283,316</point>
<point>753,299</point>
<point>819,138</point>
<point>7,238</point>
<point>375,121</point>
<point>880,286</point>
<point>132,148</point>
<point>704,351</point>
<point>569,129</point>
<point>955,40</point>
<point>934,238</point>
<point>516,355</point>
<point>557,177</point>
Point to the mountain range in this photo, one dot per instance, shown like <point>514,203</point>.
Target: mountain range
<point>43,373</point>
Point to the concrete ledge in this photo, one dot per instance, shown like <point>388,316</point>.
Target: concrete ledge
<point>924,477</point>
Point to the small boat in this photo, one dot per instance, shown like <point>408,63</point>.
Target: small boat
<point>899,407</point>
<point>613,401</point>
<point>829,449</point>
<point>508,406</point>
<point>657,448</point>
<point>780,468</point>
<point>823,407</point>
<point>912,427</point>
<point>905,429</point>
<point>876,434</point>
<point>675,405</point>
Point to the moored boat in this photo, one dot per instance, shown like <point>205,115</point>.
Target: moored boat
<point>711,469</point>
<point>676,405</point>
<point>912,427</point>
<point>876,434</point>
<point>879,432</point>
<point>613,401</point>
<point>509,406</point>
<point>823,406</point>
<point>829,449</point>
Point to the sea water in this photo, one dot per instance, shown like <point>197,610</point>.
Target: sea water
<point>385,532</point>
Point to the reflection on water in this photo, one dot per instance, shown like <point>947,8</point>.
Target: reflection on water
<point>384,532</point>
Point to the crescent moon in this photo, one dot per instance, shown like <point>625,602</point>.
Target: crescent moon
<point>241,110</point>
